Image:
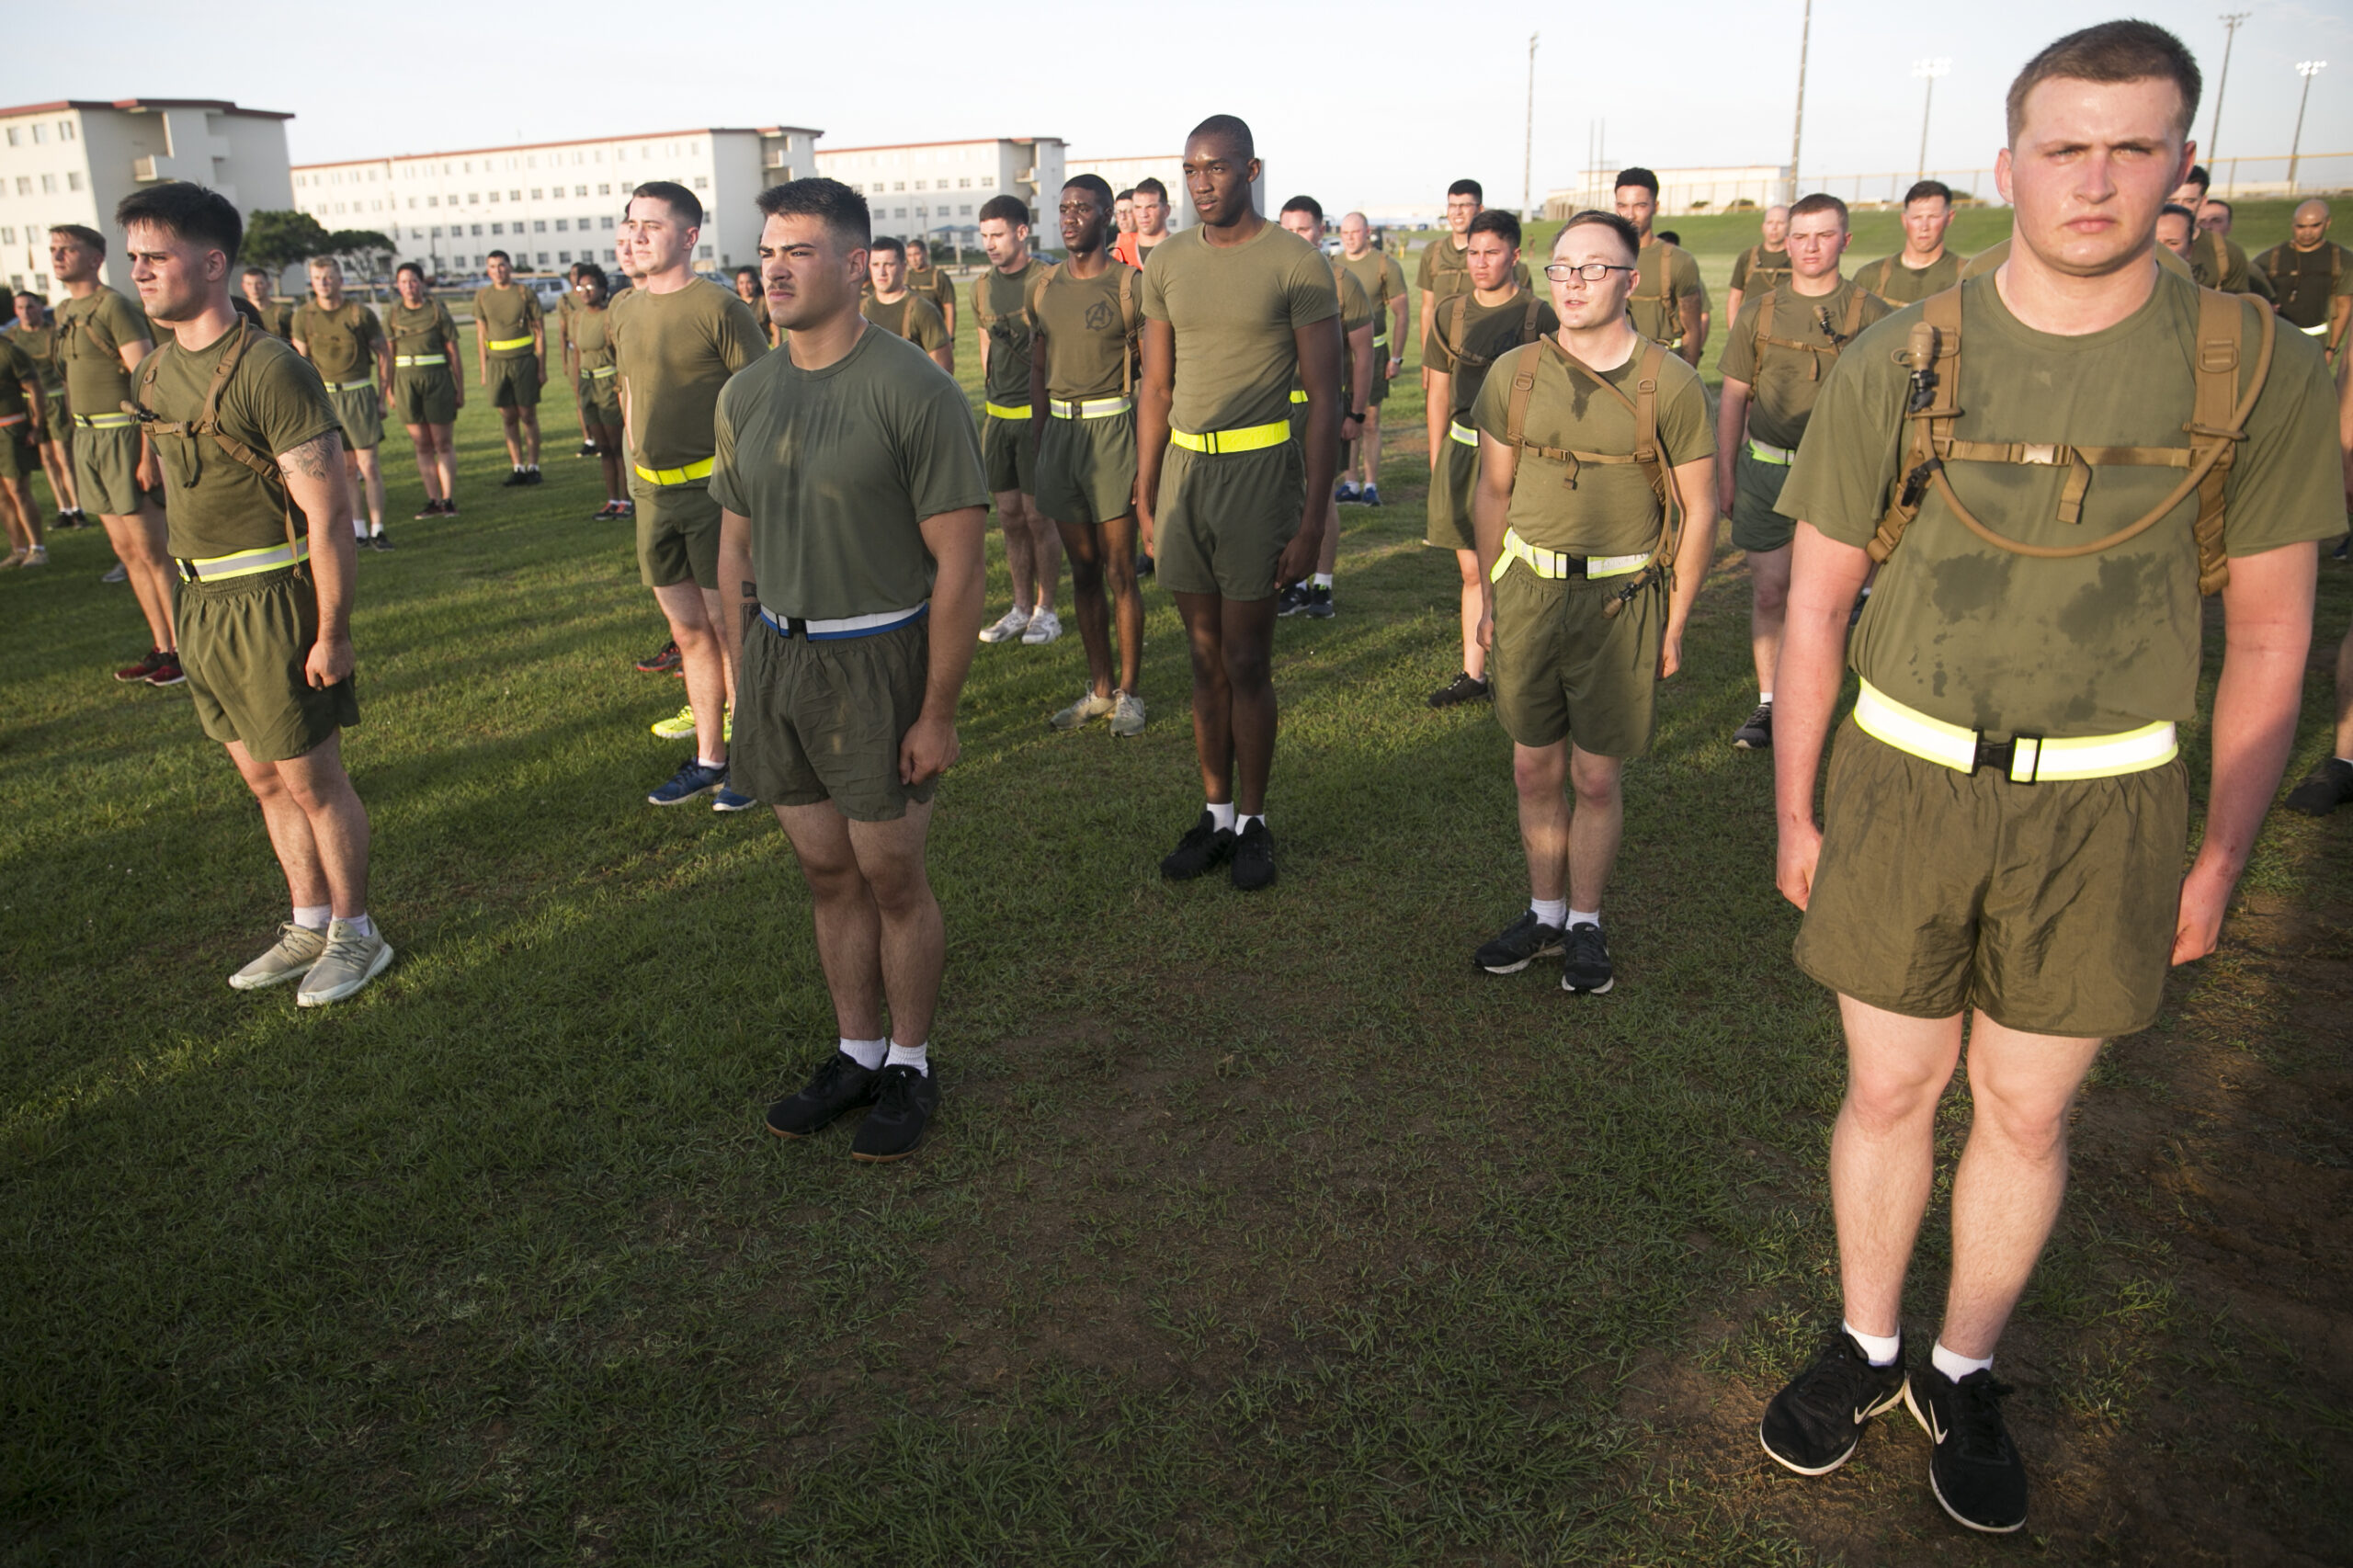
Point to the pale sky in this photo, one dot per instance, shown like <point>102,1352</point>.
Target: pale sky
<point>1393,108</point>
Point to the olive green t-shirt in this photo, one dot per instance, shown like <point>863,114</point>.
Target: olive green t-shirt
<point>2216,261</point>
<point>276,315</point>
<point>1654,314</point>
<point>1383,280</point>
<point>502,315</point>
<point>934,284</point>
<point>1784,382</point>
<point>273,403</point>
<point>910,316</point>
<point>92,331</point>
<point>2306,282</point>
<point>837,469</point>
<point>592,340</point>
<point>1356,312</point>
<point>1234,309</point>
<point>1974,635</point>
<point>1610,509</point>
<point>39,344</point>
<point>1000,299</point>
<point>17,367</point>
<point>1086,338</point>
<point>1446,268</point>
<point>1468,352</point>
<point>1901,285</point>
<point>429,329</point>
<point>1757,269</point>
<point>341,343</point>
<point>675,352</point>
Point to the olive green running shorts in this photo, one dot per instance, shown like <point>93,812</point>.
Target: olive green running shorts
<point>59,431</point>
<point>1008,455</point>
<point>427,395</point>
<point>1563,670</point>
<point>105,471</point>
<point>1449,527</point>
<point>1087,468</point>
<point>1756,489</point>
<point>823,720</point>
<point>19,453</point>
<point>244,641</point>
<point>2051,906</point>
<point>514,382</point>
<point>362,413</point>
<point>600,400</point>
<point>1222,520</point>
<point>677,534</point>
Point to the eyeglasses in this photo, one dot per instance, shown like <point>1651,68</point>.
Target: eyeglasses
<point>1591,272</point>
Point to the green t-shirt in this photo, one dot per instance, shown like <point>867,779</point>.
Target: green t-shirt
<point>1234,309</point>
<point>591,330</point>
<point>1446,268</point>
<point>934,284</point>
<point>1757,269</point>
<point>2216,261</point>
<point>1664,276</point>
<point>427,330</point>
<point>92,332</point>
<point>340,343</point>
<point>1972,634</point>
<point>278,316</point>
<point>503,315</point>
<point>910,316</point>
<point>1383,280</point>
<point>39,344</point>
<point>17,367</point>
<point>1466,340</point>
<point>2306,282</point>
<point>1356,312</point>
<point>1610,508</point>
<point>1087,342</point>
<point>675,352</point>
<point>1001,300</point>
<point>273,403</point>
<point>1901,285</point>
<point>837,469</point>
<point>1783,381</point>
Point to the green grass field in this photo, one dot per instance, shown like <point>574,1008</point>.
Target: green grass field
<point>1257,1231</point>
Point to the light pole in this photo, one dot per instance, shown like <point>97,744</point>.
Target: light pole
<point>1797,132</point>
<point>1930,70</point>
<point>2307,69</point>
<point>1528,164</point>
<point>2231,20</point>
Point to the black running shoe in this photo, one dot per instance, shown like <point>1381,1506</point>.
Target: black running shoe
<point>533,476</point>
<point>2330,786</point>
<point>379,540</point>
<point>1293,600</point>
<point>1463,687</point>
<point>1144,564</point>
<point>431,508</point>
<point>1204,846</point>
<point>840,1085</point>
<point>513,480</point>
<point>904,1102</point>
<point>587,450</point>
<point>1521,943</point>
<point>450,507</point>
<point>1758,734</point>
<point>1319,604</point>
<point>1975,1471</point>
<point>1586,968</point>
<point>1813,1426</point>
<point>668,659</point>
<point>1254,858</point>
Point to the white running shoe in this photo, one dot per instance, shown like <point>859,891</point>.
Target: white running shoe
<point>1087,709</point>
<point>1044,627</point>
<point>1016,621</point>
<point>1127,715</point>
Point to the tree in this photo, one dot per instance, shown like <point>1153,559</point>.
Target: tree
<point>368,252</point>
<point>276,240</point>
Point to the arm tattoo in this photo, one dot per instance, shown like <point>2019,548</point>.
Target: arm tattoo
<point>312,459</point>
<point>751,590</point>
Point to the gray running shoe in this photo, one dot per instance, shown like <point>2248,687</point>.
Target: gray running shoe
<point>290,957</point>
<point>1127,715</point>
<point>117,573</point>
<point>1085,710</point>
<point>350,961</point>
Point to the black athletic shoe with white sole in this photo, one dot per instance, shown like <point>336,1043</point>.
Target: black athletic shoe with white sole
<point>2330,786</point>
<point>1974,1470</point>
<point>1520,944</point>
<point>1204,848</point>
<point>841,1084</point>
<point>1464,687</point>
<point>905,1099</point>
<point>1254,858</point>
<point>1758,734</point>
<point>1586,965</point>
<point>1813,1426</point>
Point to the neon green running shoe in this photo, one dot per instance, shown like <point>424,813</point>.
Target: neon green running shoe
<point>679,727</point>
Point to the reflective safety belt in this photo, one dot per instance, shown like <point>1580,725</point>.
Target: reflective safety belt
<point>103,421</point>
<point>2023,759</point>
<point>367,385</point>
<point>501,344</point>
<point>14,419</point>
<point>1251,439</point>
<point>1552,565</point>
<point>1090,408</point>
<point>816,630</point>
<point>1002,411</point>
<point>1462,433</point>
<point>245,562</point>
<point>1299,394</point>
<point>1766,452</point>
<point>675,475</point>
<point>603,372</point>
<point>404,362</point>
<point>2320,331</point>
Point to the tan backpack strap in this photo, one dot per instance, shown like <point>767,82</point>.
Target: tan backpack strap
<point>1128,322</point>
<point>1930,410</point>
<point>2218,417</point>
<point>1458,309</point>
<point>1854,318</point>
<point>1527,333</point>
<point>1523,387</point>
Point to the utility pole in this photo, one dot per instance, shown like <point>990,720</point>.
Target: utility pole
<point>1528,164</point>
<point>1930,70</point>
<point>2307,69</point>
<point>2231,20</point>
<point>1797,134</point>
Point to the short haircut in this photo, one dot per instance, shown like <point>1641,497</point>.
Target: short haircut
<point>1470,187</point>
<point>1150,185</point>
<point>255,272</point>
<point>1820,201</point>
<point>28,294</point>
<point>499,256</point>
<point>320,263</point>
<point>1126,195</point>
<point>841,210</point>
<point>589,272</point>
<point>88,238</point>
<point>1637,175</point>
<point>740,272</point>
<point>1923,189</point>
<point>416,268</point>
<point>1009,209</point>
<point>576,268</point>
<point>1226,130</point>
<point>889,243</point>
<point>1594,218</point>
<point>2112,51</point>
<point>1306,204</point>
<point>1496,220</point>
<point>2201,178</point>
<point>187,211</point>
<point>2218,202</point>
<point>2175,210</point>
<point>1667,236</point>
<point>684,204</point>
<point>1094,185</point>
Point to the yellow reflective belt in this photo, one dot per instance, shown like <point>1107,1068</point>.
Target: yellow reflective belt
<point>2320,331</point>
<point>1252,439</point>
<point>1554,564</point>
<point>1766,452</point>
<point>245,563</point>
<point>1092,408</point>
<point>1298,394</point>
<point>404,360</point>
<point>2033,759</point>
<point>1380,341</point>
<point>501,344</point>
<point>352,386</point>
<point>999,410</point>
<point>603,372</point>
<point>102,421</point>
<point>674,475</point>
<point>1462,433</point>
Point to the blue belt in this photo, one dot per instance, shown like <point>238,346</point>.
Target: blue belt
<point>818,630</point>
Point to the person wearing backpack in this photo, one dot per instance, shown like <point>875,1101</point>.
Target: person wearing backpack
<point>2311,277</point>
<point>1925,266</point>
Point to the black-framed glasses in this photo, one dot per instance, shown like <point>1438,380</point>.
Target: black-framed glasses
<point>1591,271</point>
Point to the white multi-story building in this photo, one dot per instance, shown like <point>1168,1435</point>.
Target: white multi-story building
<point>548,204</point>
<point>70,161</point>
<point>936,190</point>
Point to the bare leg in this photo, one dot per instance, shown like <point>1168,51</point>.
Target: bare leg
<point>880,934</point>
<point>1368,464</point>
<point>428,472</point>
<point>713,608</point>
<point>510,424</point>
<point>17,513</point>
<point>2345,695</point>
<point>1089,605</point>
<point>1600,823</point>
<point>849,929</point>
<point>371,483</point>
<point>1882,1152</point>
<point>445,459</point>
<point>1538,776</point>
<point>1769,572</point>
<point>1328,557</point>
<point>316,824</point>
<point>1247,644</point>
<point>59,469</point>
<point>1120,577</point>
<point>1045,551</point>
<point>607,442</point>
<point>1020,549</point>
<point>705,663</point>
<point>138,541</point>
<point>531,435</point>
<point>1213,699</point>
<point>1473,604</point>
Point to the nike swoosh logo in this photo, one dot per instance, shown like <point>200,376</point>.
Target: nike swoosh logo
<point>1935,1429</point>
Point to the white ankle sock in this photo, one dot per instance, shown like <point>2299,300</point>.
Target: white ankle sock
<point>1241,825</point>
<point>1956,1366</point>
<point>314,916</point>
<point>1583,917</point>
<point>358,529</point>
<point>1323,579</point>
<point>866,1054</point>
<point>1552,912</point>
<point>361,925</point>
<point>1221,817</point>
<point>1880,1348</point>
<point>916,1056</point>
<point>1765,699</point>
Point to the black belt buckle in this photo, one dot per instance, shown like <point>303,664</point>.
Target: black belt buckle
<point>2004,755</point>
<point>788,626</point>
<point>1576,564</point>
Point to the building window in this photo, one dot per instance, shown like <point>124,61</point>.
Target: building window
<point>602,190</point>
<point>543,258</point>
<point>15,139</point>
<point>918,185</point>
<point>579,189</point>
<point>72,179</point>
<point>704,252</point>
<point>702,182</point>
<point>40,135</point>
<point>65,130</point>
<point>899,213</point>
<point>539,226</point>
<point>430,201</point>
<point>899,186</point>
<point>517,195</point>
<point>608,222</point>
<point>498,228</point>
<point>49,184</point>
<point>564,256</point>
<point>561,225</point>
<point>988,182</point>
<point>967,209</point>
<point>535,193</point>
<point>7,234</point>
<point>412,203</point>
<point>473,198</point>
<point>494,197</point>
<point>477,230</point>
<point>964,184</point>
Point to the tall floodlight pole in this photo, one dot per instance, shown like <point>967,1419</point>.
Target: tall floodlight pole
<point>1797,132</point>
<point>1928,70</point>
<point>2231,20</point>
<point>1528,165</point>
<point>2307,69</point>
